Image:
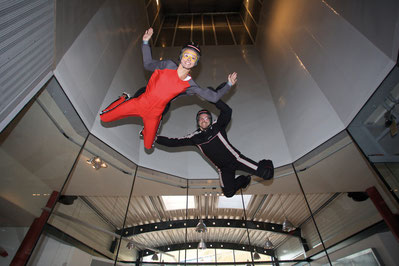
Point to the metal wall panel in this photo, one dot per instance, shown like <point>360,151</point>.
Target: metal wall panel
<point>26,49</point>
<point>340,219</point>
<point>320,69</point>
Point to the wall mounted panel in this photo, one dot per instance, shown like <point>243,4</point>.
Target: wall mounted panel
<point>26,52</point>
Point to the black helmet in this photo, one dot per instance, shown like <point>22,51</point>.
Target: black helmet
<point>193,46</point>
<point>204,111</point>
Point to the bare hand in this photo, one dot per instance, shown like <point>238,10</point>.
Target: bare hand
<point>147,35</point>
<point>232,78</point>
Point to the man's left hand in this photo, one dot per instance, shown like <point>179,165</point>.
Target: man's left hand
<point>232,78</point>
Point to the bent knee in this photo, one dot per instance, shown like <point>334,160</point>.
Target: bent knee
<point>104,118</point>
<point>228,193</point>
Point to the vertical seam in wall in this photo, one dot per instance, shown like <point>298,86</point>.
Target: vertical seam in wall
<point>174,34</point>
<point>202,29</point>
<point>251,15</point>
<point>214,30</point>
<point>249,33</point>
<point>192,28</point>
<point>156,16</point>
<point>231,30</point>
<point>159,31</point>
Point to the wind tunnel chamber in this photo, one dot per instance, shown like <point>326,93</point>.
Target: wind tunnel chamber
<point>317,94</point>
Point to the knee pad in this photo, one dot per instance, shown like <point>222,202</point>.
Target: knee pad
<point>265,169</point>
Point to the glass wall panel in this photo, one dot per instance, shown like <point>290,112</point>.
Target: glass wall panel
<point>252,220</point>
<point>224,255</point>
<point>274,211</point>
<point>38,149</point>
<point>175,256</point>
<point>93,203</point>
<point>206,255</point>
<point>242,256</point>
<point>390,172</point>
<point>191,256</point>
<point>375,131</point>
<point>264,258</point>
<point>156,219</point>
<point>335,177</point>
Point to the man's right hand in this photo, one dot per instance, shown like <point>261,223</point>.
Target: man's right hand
<point>147,35</point>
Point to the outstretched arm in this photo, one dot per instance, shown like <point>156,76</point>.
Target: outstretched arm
<point>211,95</point>
<point>225,114</point>
<point>149,63</point>
<point>174,142</point>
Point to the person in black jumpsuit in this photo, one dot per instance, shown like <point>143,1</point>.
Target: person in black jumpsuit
<point>211,139</point>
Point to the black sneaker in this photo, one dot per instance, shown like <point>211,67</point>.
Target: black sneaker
<point>247,181</point>
<point>265,169</point>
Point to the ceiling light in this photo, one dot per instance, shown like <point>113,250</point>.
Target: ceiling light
<point>269,244</point>
<point>154,257</point>
<point>256,256</point>
<point>202,244</point>
<point>201,227</point>
<point>97,163</point>
<point>288,226</point>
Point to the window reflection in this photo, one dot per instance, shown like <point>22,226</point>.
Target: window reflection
<point>224,255</point>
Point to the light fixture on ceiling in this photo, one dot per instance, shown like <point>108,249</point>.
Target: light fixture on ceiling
<point>129,245</point>
<point>201,227</point>
<point>269,244</point>
<point>154,257</point>
<point>97,163</point>
<point>288,226</point>
<point>256,256</point>
<point>202,244</point>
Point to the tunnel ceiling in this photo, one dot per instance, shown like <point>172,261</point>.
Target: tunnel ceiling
<point>207,22</point>
<point>200,6</point>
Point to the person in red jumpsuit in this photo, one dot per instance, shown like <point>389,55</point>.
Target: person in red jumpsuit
<point>168,81</point>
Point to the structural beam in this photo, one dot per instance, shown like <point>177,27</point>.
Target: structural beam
<point>147,228</point>
<point>218,245</point>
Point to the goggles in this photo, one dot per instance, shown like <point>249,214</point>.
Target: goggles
<point>190,54</point>
<point>205,117</point>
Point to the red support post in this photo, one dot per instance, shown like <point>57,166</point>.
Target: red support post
<point>3,252</point>
<point>33,234</point>
<point>389,218</point>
